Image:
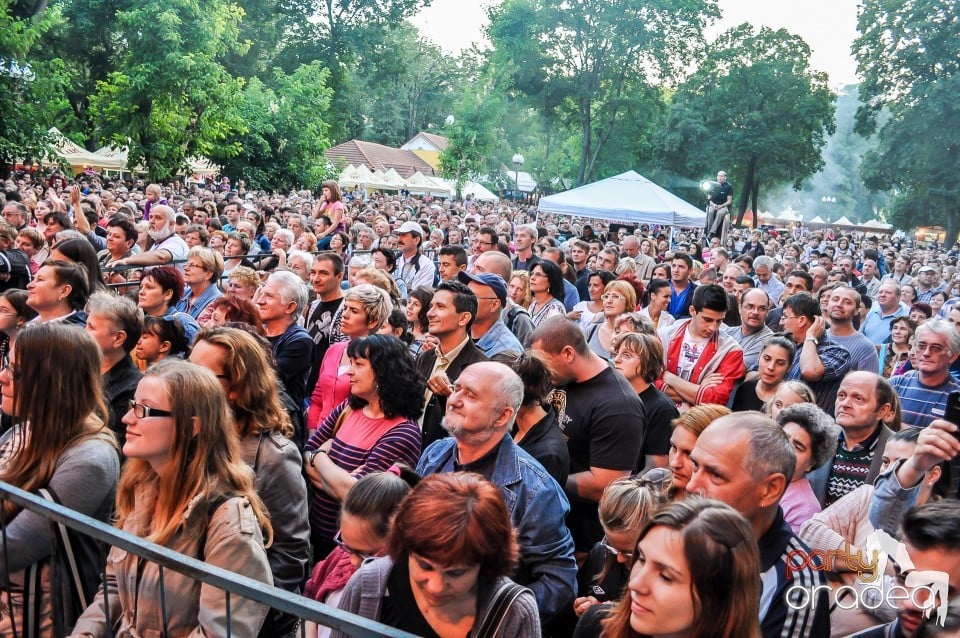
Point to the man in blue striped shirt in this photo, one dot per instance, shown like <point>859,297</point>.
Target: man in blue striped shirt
<point>923,392</point>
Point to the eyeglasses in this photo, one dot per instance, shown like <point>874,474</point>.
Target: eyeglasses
<point>934,348</point>
<point>142,411</point>
<point>338,539</point>
<point>611,296</point>
<point>614,551</point>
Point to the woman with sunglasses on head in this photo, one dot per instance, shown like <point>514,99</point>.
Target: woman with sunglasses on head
<point>546,286</point>
<point>618,297</point>
<point>186,487</point>
<point>63,447</point>
<point>365,519</point>
<point>625,507</point>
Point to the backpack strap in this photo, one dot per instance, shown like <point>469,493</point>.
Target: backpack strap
<point>497,609</point>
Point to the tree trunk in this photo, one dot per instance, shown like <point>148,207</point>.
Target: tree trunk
<point>585,148</point>
<point>747,189</point>
<point>753,196</point>
<point>953,227</point>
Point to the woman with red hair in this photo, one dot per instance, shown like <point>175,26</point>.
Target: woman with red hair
<point>448,556</point>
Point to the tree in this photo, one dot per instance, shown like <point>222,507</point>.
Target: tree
<point>754,108</point>
<point>31,90</point>
<point>170,97</point>
<point>287,131</point>
<point>909,57</point>
<point>473,137</point>
<point>582,62</point>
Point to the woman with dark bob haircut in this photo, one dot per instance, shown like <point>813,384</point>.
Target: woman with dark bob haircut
<point>448,557</point>
<point>373,429</point>
<point>710,554</point>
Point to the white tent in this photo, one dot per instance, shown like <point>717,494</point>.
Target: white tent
<point>628,197</point>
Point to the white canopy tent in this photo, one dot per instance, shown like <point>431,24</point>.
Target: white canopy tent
<point>628,197</point>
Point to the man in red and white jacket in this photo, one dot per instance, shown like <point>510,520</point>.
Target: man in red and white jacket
<point>702,364</point>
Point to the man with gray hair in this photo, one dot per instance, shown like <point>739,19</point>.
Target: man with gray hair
<point>523,240</point>
<point>746,460</point>
<point>479,414</point>
<point>766,280</point>
<point>167,245</point>
<point>280,302</point>
<point>923,392</point>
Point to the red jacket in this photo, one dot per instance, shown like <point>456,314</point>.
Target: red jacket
<point>722,354</point>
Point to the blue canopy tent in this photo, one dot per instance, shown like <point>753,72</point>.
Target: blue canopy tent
<point>628,197</point>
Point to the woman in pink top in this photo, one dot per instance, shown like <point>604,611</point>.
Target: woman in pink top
<point>365,309</point>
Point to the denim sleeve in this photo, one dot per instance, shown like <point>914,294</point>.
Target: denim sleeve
<point>891,501</point>
<point>547,548</point>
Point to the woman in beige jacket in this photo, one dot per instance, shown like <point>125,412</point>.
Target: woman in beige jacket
<point>186,487</point>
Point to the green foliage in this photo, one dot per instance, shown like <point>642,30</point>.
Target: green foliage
<point>909,56</point>
<point>473,137</point>
<point>902,45</point>
<point>170,97</point>
<point>754,108</point>
<point>286,131</point>
<point>402,85</point>
<point>31,90</point>
<point>583,63</point>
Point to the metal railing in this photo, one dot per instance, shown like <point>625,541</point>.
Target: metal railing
<point>232,583</point>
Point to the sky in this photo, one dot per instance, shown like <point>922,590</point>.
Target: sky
<point>828,26</point>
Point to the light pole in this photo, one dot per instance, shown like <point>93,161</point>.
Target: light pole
<point>828,201</point>
<point>517,163</point>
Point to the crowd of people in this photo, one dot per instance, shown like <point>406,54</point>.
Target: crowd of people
<point>464,419</point>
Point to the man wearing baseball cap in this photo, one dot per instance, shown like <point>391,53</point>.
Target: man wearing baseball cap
<point>412,266</point>
<point>927,284</point>
<point>488,331</point>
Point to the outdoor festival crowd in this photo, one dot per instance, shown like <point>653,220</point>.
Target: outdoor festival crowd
<point>460,418</point>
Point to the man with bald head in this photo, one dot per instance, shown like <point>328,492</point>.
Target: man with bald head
<point>516,318</point>
<point>479,414</point>
<point>746,460</point>
<point>630,247</point>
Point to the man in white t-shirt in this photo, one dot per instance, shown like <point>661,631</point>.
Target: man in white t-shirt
<point>167,245</point>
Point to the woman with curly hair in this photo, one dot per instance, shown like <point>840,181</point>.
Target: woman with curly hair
<point>696,572</point>
<point>184,486</point>
<point>449,556</point>
<point>813,434</point>
<point>244,370</point>
<point>372,430</point>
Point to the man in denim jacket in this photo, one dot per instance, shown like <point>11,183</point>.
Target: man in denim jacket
<point>479,413</point>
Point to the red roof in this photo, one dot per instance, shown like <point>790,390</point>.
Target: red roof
<point>437,140</point>
<point>378,156</point>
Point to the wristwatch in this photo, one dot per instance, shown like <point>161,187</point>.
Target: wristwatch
<point>313,454</point>
<point>815,341</point>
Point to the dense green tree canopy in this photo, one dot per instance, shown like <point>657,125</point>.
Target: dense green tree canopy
<point>909,56</point>
<point>585,63</point>
<point>754,108</point>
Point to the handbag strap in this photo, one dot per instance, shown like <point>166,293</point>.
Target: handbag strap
<point>497,610</point>
<point>69,556</point>
<point>344,413</point>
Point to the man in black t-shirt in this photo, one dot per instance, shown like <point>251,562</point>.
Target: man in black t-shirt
<point>601,416</point>
<point>718,205</point>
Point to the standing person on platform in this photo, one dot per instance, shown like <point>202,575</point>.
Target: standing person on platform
<point>719,200</point>
<point>602,417</point>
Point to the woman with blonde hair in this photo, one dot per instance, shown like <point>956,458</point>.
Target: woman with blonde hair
<point>625,507</point>
<point>365,309</point>
<point>696,572</point>
<point>184,486</point>
<point>618,297</point>
<point>518,289</point>
<point>61,446</point>
<point>374,277</point>
<point>789,393</point>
